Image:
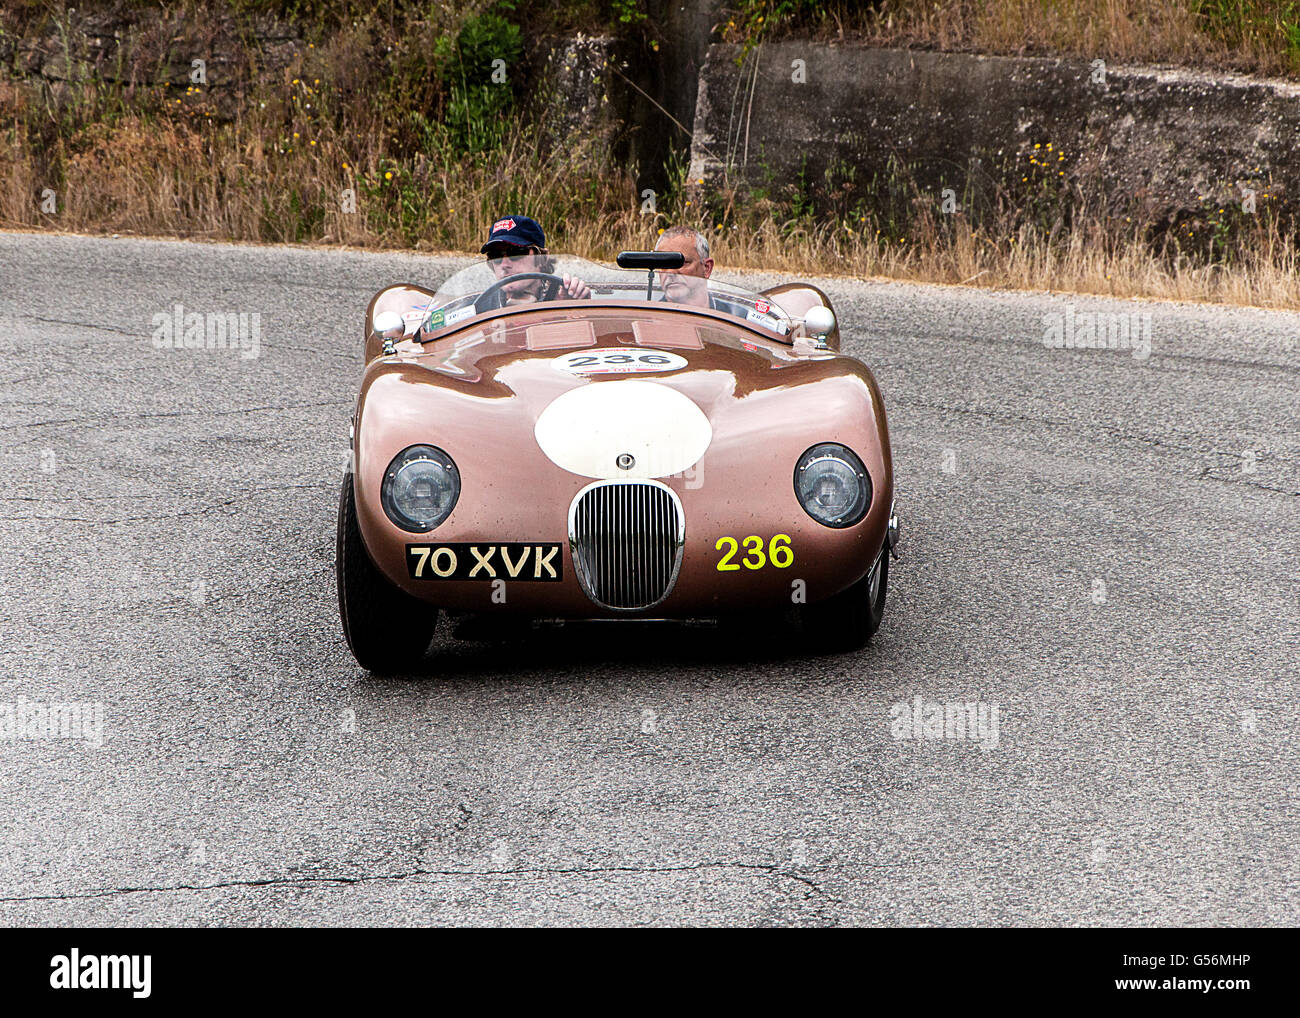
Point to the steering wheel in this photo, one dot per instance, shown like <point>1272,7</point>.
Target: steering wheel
<point>492,298</point>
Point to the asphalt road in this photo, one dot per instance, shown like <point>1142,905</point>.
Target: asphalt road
<point>1101,547</point>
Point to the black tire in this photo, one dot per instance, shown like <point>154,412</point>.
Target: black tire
<point>848,620</point>
<point>387,630</point>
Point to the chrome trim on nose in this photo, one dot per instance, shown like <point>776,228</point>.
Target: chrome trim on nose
<point>626,538</point>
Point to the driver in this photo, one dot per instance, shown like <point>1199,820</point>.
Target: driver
<point>518,244</point>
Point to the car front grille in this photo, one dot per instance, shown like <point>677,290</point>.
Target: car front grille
<point>626,538</point>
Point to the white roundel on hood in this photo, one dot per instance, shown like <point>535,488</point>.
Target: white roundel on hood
<point>617,361</point>
<point>628,428</point>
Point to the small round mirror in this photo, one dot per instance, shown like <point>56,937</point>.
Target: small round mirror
<point>387,321</point>
<point>819,320</point>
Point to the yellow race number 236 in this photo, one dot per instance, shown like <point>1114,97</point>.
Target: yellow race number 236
<point>778,554</point>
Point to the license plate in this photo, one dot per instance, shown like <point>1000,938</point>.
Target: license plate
<point>514,560</point>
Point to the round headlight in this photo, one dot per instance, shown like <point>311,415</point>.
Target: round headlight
<point>420,488</point>
<point>832,485</point>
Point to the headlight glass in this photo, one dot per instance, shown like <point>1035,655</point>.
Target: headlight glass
<point>832,485</point>
<point>420,488</point>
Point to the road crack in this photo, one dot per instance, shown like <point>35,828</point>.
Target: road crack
<point>145,415</point>
<point>767,869</point>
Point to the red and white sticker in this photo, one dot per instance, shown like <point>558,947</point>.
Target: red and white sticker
<point>632,361</point>
<point>415,318</point>
<point>763,306</point>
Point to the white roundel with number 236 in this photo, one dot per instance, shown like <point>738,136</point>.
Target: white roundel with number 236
<point>627,361</point>
<point>778,553</point>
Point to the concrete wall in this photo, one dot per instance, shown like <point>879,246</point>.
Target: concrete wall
<point>1133,137</point>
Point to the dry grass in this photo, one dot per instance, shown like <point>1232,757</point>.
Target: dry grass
<point>1252,36</point>
<point>1263,272</point>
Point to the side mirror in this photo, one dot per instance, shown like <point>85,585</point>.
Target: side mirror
<point>819,322</point>
<point>387,321</point>
<point>650,260</point>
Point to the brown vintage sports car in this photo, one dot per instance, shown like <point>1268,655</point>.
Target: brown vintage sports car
<point>632,455</point>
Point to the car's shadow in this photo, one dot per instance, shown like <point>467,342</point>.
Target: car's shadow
<point>470,647</point>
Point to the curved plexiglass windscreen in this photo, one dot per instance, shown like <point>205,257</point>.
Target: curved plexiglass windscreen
<point>473,291</point>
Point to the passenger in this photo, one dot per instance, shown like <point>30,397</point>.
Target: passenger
<point>690,283</point>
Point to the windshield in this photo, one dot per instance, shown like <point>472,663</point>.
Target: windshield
<point>474,290</point>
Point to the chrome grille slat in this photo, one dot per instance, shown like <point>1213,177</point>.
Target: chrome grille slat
<point>640,540</point>
<point>653,578</point>
<point>626,539</point>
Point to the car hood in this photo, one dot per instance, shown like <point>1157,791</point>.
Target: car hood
<point>591,385</point>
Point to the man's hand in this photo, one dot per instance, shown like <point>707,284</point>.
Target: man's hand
<point>575,288</point>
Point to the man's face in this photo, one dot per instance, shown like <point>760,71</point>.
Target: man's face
<point>683,289</point>
<point>509,260</point>
<point>686,285</point>
<point>685,246</point>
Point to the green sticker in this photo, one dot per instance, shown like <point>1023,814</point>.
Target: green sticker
<point>436,320</point>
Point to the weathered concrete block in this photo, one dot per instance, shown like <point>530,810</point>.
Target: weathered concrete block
<point>121,43</point>
<point>1144,139</point>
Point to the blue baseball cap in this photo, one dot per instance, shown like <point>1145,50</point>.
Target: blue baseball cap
<point>518,230</point>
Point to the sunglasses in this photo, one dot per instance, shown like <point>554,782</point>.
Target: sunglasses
<point>508,251</point>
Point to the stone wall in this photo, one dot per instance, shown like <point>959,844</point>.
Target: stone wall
<point>118,42</point>
<point>1157,142</point>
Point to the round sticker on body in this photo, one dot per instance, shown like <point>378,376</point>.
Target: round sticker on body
<point>618,361</point>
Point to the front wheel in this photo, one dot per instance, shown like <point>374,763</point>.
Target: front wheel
<point>848,620</point>
<point>387,630</point>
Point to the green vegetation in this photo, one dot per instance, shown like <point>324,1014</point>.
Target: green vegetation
<point>474,67</point>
